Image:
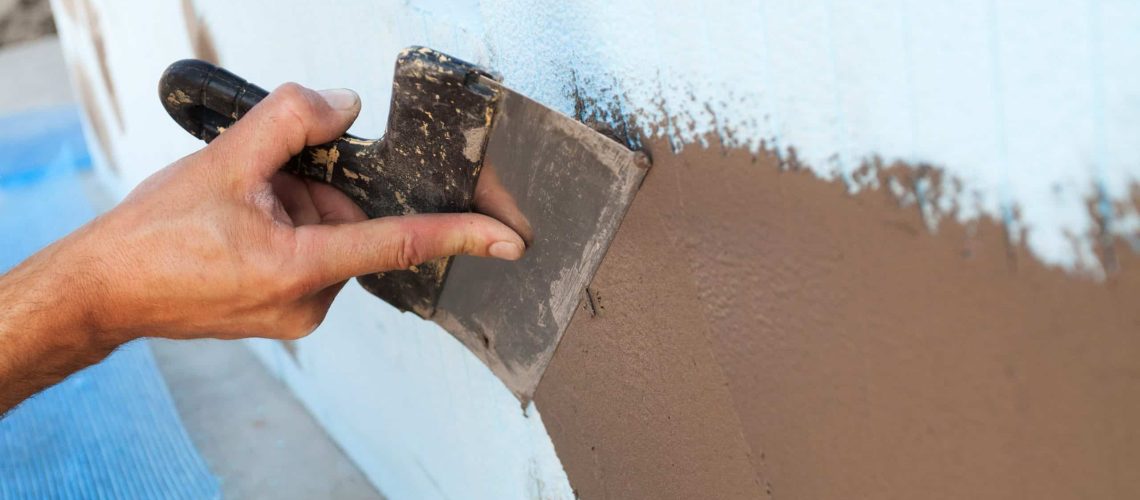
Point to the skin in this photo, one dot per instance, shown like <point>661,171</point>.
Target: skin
<point>217,245</point>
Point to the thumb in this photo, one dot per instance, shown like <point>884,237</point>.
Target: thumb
<point>282,124</point>
<point>332,253</point>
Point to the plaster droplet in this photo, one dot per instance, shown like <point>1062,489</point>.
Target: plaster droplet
<point>177,98</point>
<point>328,158</point>
<point>473,148</point>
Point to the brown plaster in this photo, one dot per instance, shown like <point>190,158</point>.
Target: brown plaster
<point>763,328</point>
<point>201,41</point>
<point>634,399</point>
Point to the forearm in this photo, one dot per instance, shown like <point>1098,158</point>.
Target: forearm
<point>47,330</point>
<point>219,244</point>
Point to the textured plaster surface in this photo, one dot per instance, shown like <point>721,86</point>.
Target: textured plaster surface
<point>868,358</point>
<point>856,354</point>
<point>635,399</point>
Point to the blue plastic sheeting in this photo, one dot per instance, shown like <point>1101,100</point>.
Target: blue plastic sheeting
<point>110,431</point>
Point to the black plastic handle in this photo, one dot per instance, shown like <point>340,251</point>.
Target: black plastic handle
<point>205,99</point>
<point>423,164</point>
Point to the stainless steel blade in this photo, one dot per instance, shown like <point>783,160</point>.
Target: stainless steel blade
<point>565,188</point>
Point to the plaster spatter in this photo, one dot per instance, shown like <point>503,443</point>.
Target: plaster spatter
<point>936,194</point>
<point>1026,107</point>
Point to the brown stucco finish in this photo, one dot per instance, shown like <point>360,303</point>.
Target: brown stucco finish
<point>635,400</point>
<point>763,329</point>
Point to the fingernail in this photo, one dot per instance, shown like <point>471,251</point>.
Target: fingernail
<point>505,250</point>
<point>341,99</point>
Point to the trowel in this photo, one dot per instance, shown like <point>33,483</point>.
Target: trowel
<point>458,140</point>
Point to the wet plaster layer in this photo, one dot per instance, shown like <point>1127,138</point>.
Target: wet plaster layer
<point>634,399</point>
<point>766,333</point>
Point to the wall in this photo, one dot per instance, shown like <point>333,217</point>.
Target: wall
<point>887,248</point>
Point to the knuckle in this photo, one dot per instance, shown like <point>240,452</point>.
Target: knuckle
<point>408,252</point>
<point>291,278</point>
<point>470,244</point>
<point>291,92</point>
<point>294,102</point>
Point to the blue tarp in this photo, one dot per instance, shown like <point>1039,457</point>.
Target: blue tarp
<point>110,431</point>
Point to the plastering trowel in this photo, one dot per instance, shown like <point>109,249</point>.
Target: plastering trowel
<point>458,140</point>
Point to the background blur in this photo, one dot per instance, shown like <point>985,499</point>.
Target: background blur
<point>24,20</point>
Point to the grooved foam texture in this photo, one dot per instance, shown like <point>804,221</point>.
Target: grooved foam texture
<point>111,430</point>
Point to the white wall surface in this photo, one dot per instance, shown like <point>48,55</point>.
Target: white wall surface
<point>1033,106</point>
<point>421,416</point>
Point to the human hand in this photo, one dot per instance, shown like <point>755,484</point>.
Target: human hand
<point>494,199</point>
<point>220,244</point>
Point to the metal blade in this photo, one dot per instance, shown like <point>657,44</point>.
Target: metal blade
<point>565,188</point>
